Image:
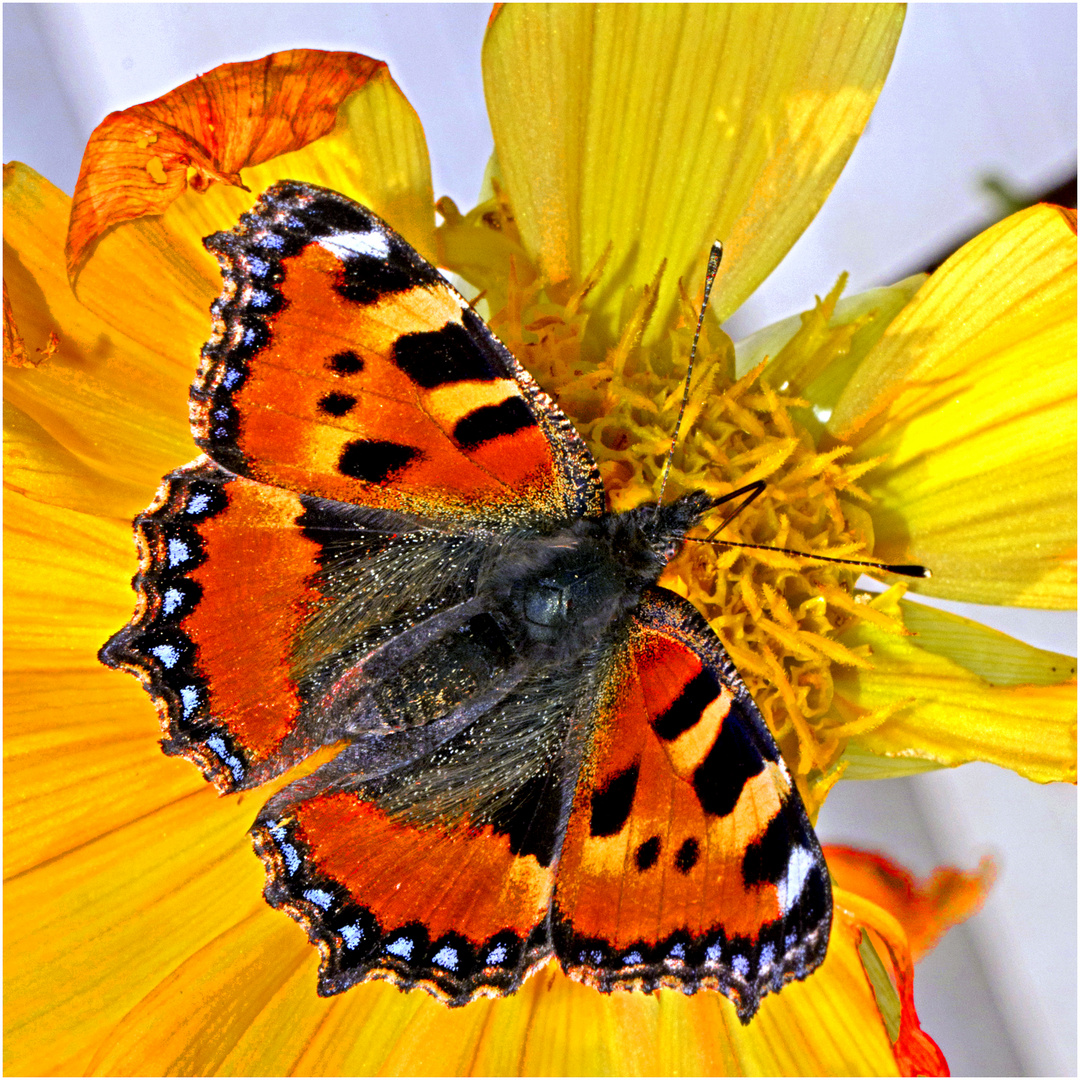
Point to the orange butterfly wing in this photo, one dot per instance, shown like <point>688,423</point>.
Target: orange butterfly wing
<point>343,365</point>
<point>344,372</point>
<point>459,907</point>
<point>688,859</point>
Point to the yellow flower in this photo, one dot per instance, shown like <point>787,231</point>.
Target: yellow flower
<point>891,427</point>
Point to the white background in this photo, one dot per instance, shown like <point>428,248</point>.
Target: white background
<point>975,90</point>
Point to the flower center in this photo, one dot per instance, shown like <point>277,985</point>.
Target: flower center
<point>778,615</point>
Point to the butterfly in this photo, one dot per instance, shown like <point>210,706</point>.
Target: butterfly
<point>395,544</point>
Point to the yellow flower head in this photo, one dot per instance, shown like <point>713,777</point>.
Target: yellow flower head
<point>888,427</point>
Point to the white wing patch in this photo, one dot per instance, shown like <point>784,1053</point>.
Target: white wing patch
<point>788,888</point>
<point>371,245</point>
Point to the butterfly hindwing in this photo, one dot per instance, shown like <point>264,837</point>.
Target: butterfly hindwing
<point>255,601</point>
<point>438,869</point>
<point>688,860</point>
<point>221,560</point>
<point>343,365</point>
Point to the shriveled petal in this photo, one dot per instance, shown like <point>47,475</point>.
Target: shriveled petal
<point>657,128</point>
<point>95,425</point>
<point>947,713</point>
<point>971,394</point>
<point>16,354</point>
<point>237,116</point>
<point>336,119</point>
<point>925,909</point>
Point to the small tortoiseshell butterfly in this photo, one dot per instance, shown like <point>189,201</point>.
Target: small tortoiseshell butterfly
<point>395,541</point>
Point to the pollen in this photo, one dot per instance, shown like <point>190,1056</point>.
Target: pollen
<point>778,615</point>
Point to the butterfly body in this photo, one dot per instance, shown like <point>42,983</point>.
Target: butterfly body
<point>396,543</point>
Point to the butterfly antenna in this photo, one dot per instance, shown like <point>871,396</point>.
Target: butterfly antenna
<point>911,570</point>
<point>715,256</point>
<point>754,489</point>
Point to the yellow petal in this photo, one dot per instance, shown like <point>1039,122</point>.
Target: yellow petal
<point>91,427</point>
<point>827,1025</point>
<point>89,934</point>
<point>124,872</point>
<point>861,764</point>
<point>245,1003</point>
<point>193,1019</point>
<point>66,585</point>
<point>949,714</point>
<point>814,354</point>
<point>79,741</point>
<point>362,138</point>
<point>990,654</point>
<point>971,394</point>
<point>658,128</point>
<point>868,314</point>
<point>76,735</point>
<point>37,465</point>
<point>481,247</point>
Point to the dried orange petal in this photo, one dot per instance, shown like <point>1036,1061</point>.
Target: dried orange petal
<point>138,161</point>
<point>925,909</point>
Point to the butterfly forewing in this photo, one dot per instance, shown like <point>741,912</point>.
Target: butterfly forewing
<point>343,365</point>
